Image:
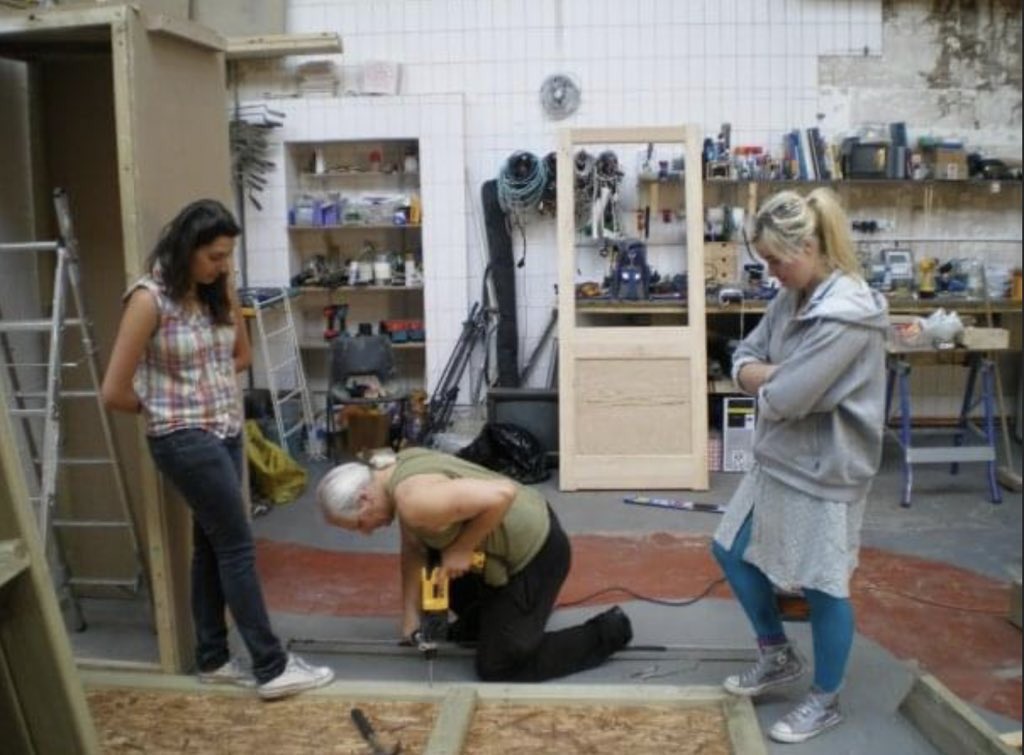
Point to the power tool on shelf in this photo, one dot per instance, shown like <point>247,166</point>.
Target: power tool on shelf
<point>334,320</point>
<point>434,605</point>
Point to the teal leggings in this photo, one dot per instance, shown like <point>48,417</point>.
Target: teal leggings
<point>831,617</point>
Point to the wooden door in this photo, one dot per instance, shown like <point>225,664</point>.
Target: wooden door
<point>632,374</point>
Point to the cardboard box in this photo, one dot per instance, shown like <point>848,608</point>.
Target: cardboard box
<point>946,163</point>
<point>367,430</point>
<point>980,339</point>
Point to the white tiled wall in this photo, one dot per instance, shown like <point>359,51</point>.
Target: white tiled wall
<point>436,121</point>
<point>752,63</point>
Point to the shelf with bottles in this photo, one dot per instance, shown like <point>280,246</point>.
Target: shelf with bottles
<point>364,158</point>
<point>338,185</point>
<point>356,227</point>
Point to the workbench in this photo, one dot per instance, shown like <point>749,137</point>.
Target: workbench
<point>979,392</point>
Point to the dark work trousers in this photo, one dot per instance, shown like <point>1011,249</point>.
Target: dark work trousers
<point>508,622</point>
<point>207,471</point>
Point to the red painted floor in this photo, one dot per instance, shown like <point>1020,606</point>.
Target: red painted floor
<point>903,603</point>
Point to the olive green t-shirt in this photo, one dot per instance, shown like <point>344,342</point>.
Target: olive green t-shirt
<point>512,544</point>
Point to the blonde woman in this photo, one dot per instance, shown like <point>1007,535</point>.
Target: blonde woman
<point>816,364</point>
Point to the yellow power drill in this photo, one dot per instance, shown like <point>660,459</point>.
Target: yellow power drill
<point>434,604</point>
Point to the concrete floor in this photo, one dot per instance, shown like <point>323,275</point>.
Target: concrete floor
<point>950,548</point>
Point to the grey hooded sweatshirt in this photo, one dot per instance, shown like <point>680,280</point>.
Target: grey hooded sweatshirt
<point>821,413</point>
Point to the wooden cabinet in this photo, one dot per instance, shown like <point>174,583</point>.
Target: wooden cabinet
<point>126,109</point>
<point>355,223</point>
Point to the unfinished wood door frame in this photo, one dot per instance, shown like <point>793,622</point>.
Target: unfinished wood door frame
<point>618,384</point>
<point>170,117</point>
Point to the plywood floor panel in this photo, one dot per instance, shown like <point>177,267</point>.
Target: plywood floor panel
<point>133,721</point>
<point>575,730</point>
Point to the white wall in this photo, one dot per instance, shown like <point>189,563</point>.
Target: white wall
<point>436,121</point>
<point>765,66</point>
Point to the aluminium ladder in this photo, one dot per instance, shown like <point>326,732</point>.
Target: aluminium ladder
<point>286,379</point>
<point>36,397</point>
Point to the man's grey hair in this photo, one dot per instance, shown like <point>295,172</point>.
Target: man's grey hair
<point>338,491</point>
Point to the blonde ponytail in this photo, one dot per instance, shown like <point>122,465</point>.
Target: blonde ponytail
<point>834,231</point>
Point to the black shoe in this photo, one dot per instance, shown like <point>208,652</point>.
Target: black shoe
<point>615,628</point>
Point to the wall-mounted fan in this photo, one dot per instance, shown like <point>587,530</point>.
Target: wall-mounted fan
<point>559,96</point>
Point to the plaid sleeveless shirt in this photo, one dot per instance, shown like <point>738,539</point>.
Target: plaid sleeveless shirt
<point>186,379</point>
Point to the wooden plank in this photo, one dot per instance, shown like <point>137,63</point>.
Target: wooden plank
<point>947,721</point>
<point>167,156</point>
<point>13,559</point>
<point>132,721</point>
<point>1011,739</point>
<point>61,19</point>
<point>280,45</point>
<point>452,725</point>
<point>744,730</point>
<point>566,229</point>
<point>41,692</point>
<point>184,29</point>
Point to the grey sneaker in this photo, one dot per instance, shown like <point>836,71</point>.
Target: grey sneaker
<point>230,673</point>
<point>818,711</point>
<point>776,666</point>
<point>298,676</point>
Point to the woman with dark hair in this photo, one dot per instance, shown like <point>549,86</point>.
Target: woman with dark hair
<point>180,343</point>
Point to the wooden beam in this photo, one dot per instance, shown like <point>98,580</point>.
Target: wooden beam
<point>40,693</point>
<point>280,45</point>
<point>188,31</point>
<point>451,728</point>
<point>13,560</point>
<point>744,731</point>
<point>1011,739</point>
<point>949,723</point>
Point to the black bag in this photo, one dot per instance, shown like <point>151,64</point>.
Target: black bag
<point>509,449</point>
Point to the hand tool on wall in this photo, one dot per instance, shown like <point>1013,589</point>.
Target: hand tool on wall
<point>434,605</point>
<point>366,731</point>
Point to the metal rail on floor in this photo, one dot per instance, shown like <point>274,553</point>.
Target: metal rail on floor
<point>453,650</point>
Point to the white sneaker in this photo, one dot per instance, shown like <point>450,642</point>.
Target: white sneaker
<point>298,676</point>
<point>817,712</point>
<point>230,673</point>
<point>776,666</point>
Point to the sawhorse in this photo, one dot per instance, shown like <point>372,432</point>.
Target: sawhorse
<point>981,369</point>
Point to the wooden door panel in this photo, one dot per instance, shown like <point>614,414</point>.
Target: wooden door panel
<point>633,408</point>
<point>632,399</point>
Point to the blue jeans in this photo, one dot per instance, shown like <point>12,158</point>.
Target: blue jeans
<point>831,617</point>
<point>207,471</point>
